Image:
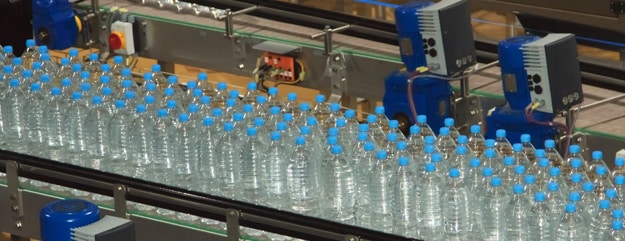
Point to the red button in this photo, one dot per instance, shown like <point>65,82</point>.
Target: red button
<point>115,41</point>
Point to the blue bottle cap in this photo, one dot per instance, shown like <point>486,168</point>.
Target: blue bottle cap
<point>444,131</point>
<point>85,75</point>
<point>597,155</point>
<point>118,59</point>
<point>487,171</point>
<point>576,163</point>
<point>341,122</point>
<point>429,149</point>
<point>530,179</point>
<point>65,61</point>
<point>149,99</point>
<point>437,157</point>
<point>334,107</point>
<point>333,131</point>
<point>199,93</point>
<point>251,131</point>
<point>237,117</point>
<point>501,133</point>
<point>508,161</point>
<point>539,197</point>
<point>169,92</point>
<point>7,69</point>
<point>43,50</point>
<point>275,136</point>
<point>120,104</point>
<point>403,161</point>
<point>55,91</point>
<point>30,43</point>
<point>553,186</point>
<point>394,124</point>
<point>85,87</point>
<point>156,68</point>
<point>287,117</point>
<point>543,162</point>
<point>35,87</point>
<point>202,76</point>
<point>251,86</point>
<point>130,94</point>
<point>261,99</point>
<point>475,162</point>
<point>281,126</point>
<point>601,170</point>
<point>617,225</point>
<point>336,149</point>
<point>392,137</point>
<point>17,61</point>
<point>517,147</point>
<point>430,140</point>
<point>311,121</point>
<point>304,106</point>
<point>430,167</point>
<point>194,108</point>
<point>8,49</point>
<point>610,193</point>
<point>217,112</point>
<point>46,78</point>
<point>208,121</point>
<point>105,68</point>
<point>191,84</point>
<point>171,104</point>
<point>274,110</point>
<point>320,98</point>
<point>526,138</point>
<point>363,128</point>
<point>518,188</point>
<point>93,57</point>
<point>550,144</point>
<point>415,130</point>
<point>617,213</point>
<point>73,52</point>
<point>125,83</point>
<point>292,96</point>
<point>574,197</point>
<point>222,86</point>
<point>183,117</point>
<point>539,153</point>
<point>234,94</point>
<point>462,139</point>
<point>381,154</point>
<point>495,181</point>
<point>14,83</point>
<point>554,171</point>
<point>588,186</point>
<point>273,91</point>
<point>141,108</point>
<point>475,129</point>
<point>372,119</point>
<point>519,169</point>
<point>449,122</point>
<point>489,153</point>
<point>205,100</point>
<point>65,82</point>
<point>350,114</point>
<point>619,162</point>
<point>462,150</point>
<point>96,100</point>
<point>231,102</point>
<point>247,108</point>
<point>576,178</point>
<point>27,73</point>
<point>36,65</point>
<point>574,149</point>
<point>369,146</point>
<point>490,143</point>
<point>147,76</point>
<point>422,119</point>
<point>304,130</point>
<point>228,126</point>
<point>619,180</point>
<point>402,145</point>
<point>331,140</point>
<point>570,208</point>
<point>300,140</point>
<point>604,204</point>
<point>454,173</point>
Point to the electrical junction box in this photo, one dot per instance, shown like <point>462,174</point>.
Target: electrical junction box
<point>122,39</point>
<point>447,37</point>
<point>553,72</point>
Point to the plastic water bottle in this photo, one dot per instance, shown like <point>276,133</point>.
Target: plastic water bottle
<point>141,139</point>
<point>619,167</point>
<point>207,172</point>
<point>596,161</point>
<point>453,132</point>
<point>383,120</point>
<point>302,114</point>
<point>362,166</point>
<point>577,167</point>
<point>445,143</point>
<point>381,194</point>
<point>203,84</point>
<point>405,206</point>
<point>502,144</point>
<point>473,177</point>
<point>602,181</point>
<point>542,173</point>
<point>252,162</point>
<point>375,130</point>
<point>554,157</point>
<point>531,186</point>
<point>250,95</point>
<point>291,105</point>
<point>393,127</point>
<point>8,56</point>
<point>320,109</point>
<point>98,136</point>
<point>261,106</point>
<point>456,210</point>
<point>352,123</point>
<point>221,94</point>
<point>576,182</point>
<point>186,155</point>
<point>390,145</point>
<point>460,160</point>
<point>273,99</point>
<point>422,122</point>
<point>228,153</point>
<point>517,219</point>
<point>158,77</point>
<point>507,172</point>
<point>619,185</point>
<point>519,155</point>
<point>18,67</point>
<point>339,188</point>
<point>589,198</point>
<point>555,200</point>
<point>35,121</point>
<point>74,58</point>
<point>528,147</point>
<point>118,66</point>
<point>38,72</point>
<point>119,141</point>
<point>172,82</point>
<point>77,130</point>
<point>494,205</point>
<point>612,196</point>
<point>540,219</point>
<point>276,173</point>
<point>490,160</point>
<point>575,197</point>
<point>574,153</point>
<point>48,65</point>
<point>29,53</point>
<point>519,175</point>
<point>302,187</point>
<point>94,67</point>
<point>416,144</point>
<point>554,176</point>
<point>65,70</point>
<point>600,225</point>
<point>14,118</point>
<point>56,125</point>
<point>476,140</point>
<point>617,233</point>
<point>487,175</point>
<point>571,227</point>
<point>462,141</point>
<point>430,204</point>
<point>7,74</point>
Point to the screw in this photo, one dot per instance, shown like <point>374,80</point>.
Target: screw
<point>119,188</point>
<point>337,58</point>
<point>237,41</point>
<point>241,66</point>
<point>15,208</point>
<point>18,224</point>
<point>103,27</point>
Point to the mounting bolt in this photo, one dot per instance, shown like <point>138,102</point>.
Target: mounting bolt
<point>241,66</point>
<point>18,224</point>
<point>337,58</point>
<point>15,208</point>
<point>237,41</point>
<point>103,27</point>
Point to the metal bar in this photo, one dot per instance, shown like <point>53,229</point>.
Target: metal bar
<point>601,102</point>
<point>232,221</point>
<point>486,66</point>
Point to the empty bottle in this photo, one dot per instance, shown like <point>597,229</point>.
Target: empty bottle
<point>14,118</point>
<point>596,161</point>
<point>517,219</point>
<point>495,203</point>
<point>252,162</point>
<point>540,219</point>
<point>445,143</point>
<point>119,140</point>
<point>405,206</point>
<point>185,152</point>
<point>430,204</point>
<point>56,125</point>
<point>476,140</point>
<point>381,194</point>
<point>276,173</point>
<point>571,227</point>
<point>98,136</point>
<point>35,121</point>
<point>340,189</point>
<point>456,210</point>
<point>301,183</point>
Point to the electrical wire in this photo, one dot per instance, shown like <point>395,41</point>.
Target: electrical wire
<point>529,111</point>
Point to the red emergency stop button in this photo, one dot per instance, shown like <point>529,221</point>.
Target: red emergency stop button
<point>116,41</point>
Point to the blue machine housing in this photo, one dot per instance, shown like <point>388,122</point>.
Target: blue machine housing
<point>59,217</point>
<point>515,124</point>
<point>430,95</point>
<point>56,19</point>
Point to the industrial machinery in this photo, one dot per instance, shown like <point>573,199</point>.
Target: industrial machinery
<point>541,79</point>
<point>55,24</point>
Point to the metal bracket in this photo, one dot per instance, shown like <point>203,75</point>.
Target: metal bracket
<point>120,204</point>
<point>233,229</point>
<point>227,18</point>
<point>336,74</point>
<point>15,194</point>
<point>350,237</point>
<point>327,36</point>
<point>617,7</point>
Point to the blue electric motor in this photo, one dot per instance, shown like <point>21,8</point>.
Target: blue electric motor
<point>60,217</point>
<point>431,96</point>
<point>54,23</point>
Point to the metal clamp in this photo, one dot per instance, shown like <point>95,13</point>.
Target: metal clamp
<point>227,17</point>
<point>15,194</point>
<point>233,229</point>
<point>336,73</point>
<point>327,39</point>
<point>119,197</point>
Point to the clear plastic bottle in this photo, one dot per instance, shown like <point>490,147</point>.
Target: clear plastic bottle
<point>430,204</point>
<point>461,161</point>
<point>158,77</point>
<point>589,198</point>
<point>390,146</point>
<point>141,139</point>
<point>507,172</point>
<point>528,147</point>
<point>473,178</point>
<point>207,172</point>
<point>276,173</point>
<point>571,227</point>
<point>74,58</point>
<point>250,95</point>
<point>172,82</point>
<point>554,157</point>
<point>554,176</point>
<point>334,114</point>
<point>462,141</point>
<point>339,188</point>
<point>616,233</point>
<point>612,196</point>
<point>29,53</point>
<point>18,68</point>
<point>189,93</point>
<point>494,206</point>
<point>56,125</point>
<point>476,140</point>
<point>453,132</point>
<point>7,74</point>
<point>555,200</point>
<point>48,65</point>
<point>25,80</point>
<point>445,143</point>
<point>291,105</point>
<point>351,122</point>
<point>252,162</point>
<point>162,157</point>
<point>35,121</point>
<point>37,72</point>
<point>530,185</point>
<point>66,87</point>
<point>119,140</point>
<point>519,155</point>
<point>540,219</point>
<point>98,136</point>
<point>416,144</point>
<point>542,172</point>
<point>273,99</point>
<point>77,130</point>
<point>301,183</point>
<point>320,109</point>
<point>456,210</point>
<point>8,56</point>
<point>393,127</point>
<point>405,206</point>
<point>302,114</point>
<point>362,166</point>
<point>118,66</point>
<point>619,167</point>
<point>576,182</point>
<point>228,153</point>
<point>600,226</point>
<point>502,144</point>
<point>203,84</point>
<point>490,160</point>
<point>602,181</point>
<point>596,161</point>
<point>381,194</point>
<point>574,153</point>
<point>219,99</point>
<point>517,219</point>
<point>577,167</point>
<point>619,185</point>
<point>186,155</point>
<point>94,67</point>
<point>260,109</point>
<point>65,70</point>
<point>575,197</point>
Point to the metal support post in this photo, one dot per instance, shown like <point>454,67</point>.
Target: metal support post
<point>119,197</point>
<point>15,196</point>
<point>228,19</point>
<point>233,229</point>
<point>336,67</point>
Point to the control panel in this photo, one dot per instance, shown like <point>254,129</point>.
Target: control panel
<point>121,39</point>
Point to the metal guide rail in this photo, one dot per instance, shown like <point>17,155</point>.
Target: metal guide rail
<point>19,208</point>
